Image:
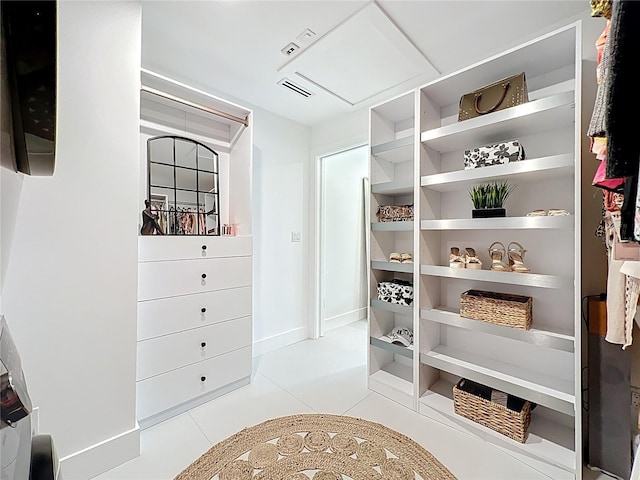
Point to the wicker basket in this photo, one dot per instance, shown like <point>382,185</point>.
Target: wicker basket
<point>511,423</point>
<point>498,308</point>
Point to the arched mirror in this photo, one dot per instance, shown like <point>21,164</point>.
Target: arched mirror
<point>183,190</point>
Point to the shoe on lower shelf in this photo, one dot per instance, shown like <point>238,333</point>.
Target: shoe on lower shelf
<point>406,258</point>
<point>399,335</point>
<point>558,212</point>
<point>498,255</point>
<point>455,259</point>
<point>471,259</point>
<point>395,257</point>
<point>516,258</point>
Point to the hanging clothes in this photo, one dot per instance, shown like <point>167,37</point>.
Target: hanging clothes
<point>622,99</point>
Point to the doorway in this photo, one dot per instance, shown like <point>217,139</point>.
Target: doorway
<point>343,277</point>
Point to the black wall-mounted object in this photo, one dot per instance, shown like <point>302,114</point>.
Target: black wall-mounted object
<point>29,31</point>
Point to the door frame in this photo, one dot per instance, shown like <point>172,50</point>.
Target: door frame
<point>317,295</point>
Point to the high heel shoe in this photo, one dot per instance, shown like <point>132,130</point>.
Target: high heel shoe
<point>516,258</point>
<point>471,260</point>
<point>455,259</point>
<point>498,254</point>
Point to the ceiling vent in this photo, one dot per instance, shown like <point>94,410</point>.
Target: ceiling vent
<point>285,82</point>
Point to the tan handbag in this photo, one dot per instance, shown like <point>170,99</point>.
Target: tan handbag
<point>506,93</point>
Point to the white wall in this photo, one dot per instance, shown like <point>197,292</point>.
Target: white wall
<point>69,291</point>
<point>344,278</point>
<point>280,154</point>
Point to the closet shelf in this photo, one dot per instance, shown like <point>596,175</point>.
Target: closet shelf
<point>532,170</point>
<point>392,226</point>
<point>543,389</point>
<point>392,307</point>
<point>547,114</point>
<point>392,347</point>
<point>543,337</point>
<point>522,223</point>
<point>393,377</point>
<point>526,279</point>
<point>393,267</point>
<point>393,188</point>
<point>395,151</point>
<point>547,440</point>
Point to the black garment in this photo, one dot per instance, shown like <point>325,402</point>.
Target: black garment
<point>628,210</point>
<point>623,99</point>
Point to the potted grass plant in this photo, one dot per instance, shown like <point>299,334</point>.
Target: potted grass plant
<point>488,199</point>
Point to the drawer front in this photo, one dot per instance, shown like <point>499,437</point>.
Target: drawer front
<point>153,248</point>
<point>182,277</point>
<point>176,314</point>
<point>161,354</point>
<point>165,391</point>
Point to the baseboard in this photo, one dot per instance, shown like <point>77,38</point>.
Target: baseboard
<point>269,344</point>
<point>194,402</point>
<point>101,457</point>
<point>344,319</point>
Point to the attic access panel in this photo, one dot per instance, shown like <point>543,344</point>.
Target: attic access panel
<point>360,58</point>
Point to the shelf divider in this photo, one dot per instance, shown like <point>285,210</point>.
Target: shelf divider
<point>392,226</point>
<point>526,279</point>
<point>531,170</point>
<point>392,347</point>
<point>393,267</point>
<point>555,393</point>
<point>541,337</point>
<point>392,307</point>
<point>537,116</point>
<point>500,223</point>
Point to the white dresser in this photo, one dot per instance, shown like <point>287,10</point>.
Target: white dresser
<point>194,321</point>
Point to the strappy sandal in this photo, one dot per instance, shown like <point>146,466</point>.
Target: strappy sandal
<point>516,258</point>
<point>395,258</point>
<point>498,254</point>
<point>455,259</point>
<point>472,261</point>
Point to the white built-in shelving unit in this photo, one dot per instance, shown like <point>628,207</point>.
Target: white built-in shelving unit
<point>542,364</point>
<point>392,182</point>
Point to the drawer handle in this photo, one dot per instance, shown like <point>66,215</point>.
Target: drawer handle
<point>203,310</point>
<point>203,344</point>
<point>204,275</point>
<point>204,247</point>
<point>203,378</point>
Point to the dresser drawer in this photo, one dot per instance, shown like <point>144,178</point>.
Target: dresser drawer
<point>166,247</point>
<point>161,354</point>
<point>170,389</point>
<point>182,277</point>
<point>175,314</point>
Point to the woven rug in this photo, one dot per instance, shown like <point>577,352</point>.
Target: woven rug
<point>317,447</point>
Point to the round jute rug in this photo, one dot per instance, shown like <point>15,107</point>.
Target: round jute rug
<point>316,447</point>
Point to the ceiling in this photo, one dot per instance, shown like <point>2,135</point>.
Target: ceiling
<point>362,53</point>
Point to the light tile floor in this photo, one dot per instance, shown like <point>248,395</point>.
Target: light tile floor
<point>324,376</point>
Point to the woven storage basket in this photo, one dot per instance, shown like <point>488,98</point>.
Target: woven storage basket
<point>508,422</point>
<point>499,308</point>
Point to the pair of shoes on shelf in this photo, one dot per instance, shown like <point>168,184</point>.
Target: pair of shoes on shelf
<point>510,259</point>
<point>396,257</point>
<point>554,212</point>
<point>466,260</point>
<point>399,335</point>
